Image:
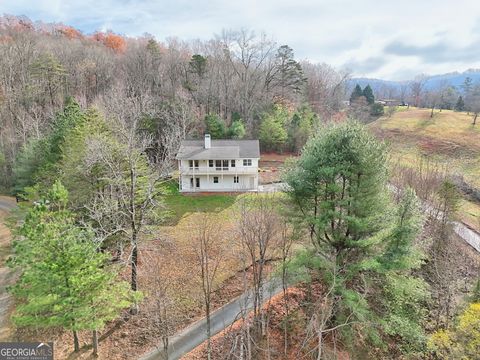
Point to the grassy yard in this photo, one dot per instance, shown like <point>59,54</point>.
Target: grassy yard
<point>448,139</point>
<point>179,205</point>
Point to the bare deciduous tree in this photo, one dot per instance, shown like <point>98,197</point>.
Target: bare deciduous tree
<point>258,229</point>
<point>208,249</point>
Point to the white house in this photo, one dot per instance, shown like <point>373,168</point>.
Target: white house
<point>218,165</point>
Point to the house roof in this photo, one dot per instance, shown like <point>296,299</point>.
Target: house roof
<point>220,149</point>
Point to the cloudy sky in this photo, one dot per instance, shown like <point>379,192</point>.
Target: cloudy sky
<point>375,38</point>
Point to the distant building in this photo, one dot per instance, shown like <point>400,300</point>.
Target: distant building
<point>218,165</point>
<point>389,102</point>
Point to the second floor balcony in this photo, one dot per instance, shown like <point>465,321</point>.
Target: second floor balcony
<point>205,170</point>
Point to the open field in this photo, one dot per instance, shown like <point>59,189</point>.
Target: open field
<point>448,139</point>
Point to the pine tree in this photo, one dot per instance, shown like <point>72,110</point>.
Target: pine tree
<point>360,247</point>
<point>215,126</point>
<point>198,65</point>
<point>38,159</point>
<point>467,86</point>
<point>65,281</point>
<point>338,190</point>
<point>236,130</point>
<point>303,124</point>
<point>356,94</point>
<point>287,73</point>
<point>460,105</point>
<point>368,93</point>
<point>50,75</point>
<point>272,133</point>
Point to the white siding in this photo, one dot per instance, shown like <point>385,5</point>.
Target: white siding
<point>225,183</point>
<point>248,176</point>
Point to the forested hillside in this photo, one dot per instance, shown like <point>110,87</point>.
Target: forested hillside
<point>236,75</point>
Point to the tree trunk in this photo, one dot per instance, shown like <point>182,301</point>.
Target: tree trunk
<point>209,335</point>
<point>134,262</point>
<point>134,265</point>
<point>319,343</point>
<point>475,119</point>
<point>431,113</point>
<point>133,224</point>
<point>95,343</point>
<point>76,344</point>
<point>285,302</point>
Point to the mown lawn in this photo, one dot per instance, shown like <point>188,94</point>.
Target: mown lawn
<point>178,204</point>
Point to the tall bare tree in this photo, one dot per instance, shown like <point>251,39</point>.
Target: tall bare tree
<point>258,229</point>
<point>209,254</point>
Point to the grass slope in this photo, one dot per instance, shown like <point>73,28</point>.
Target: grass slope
<point>449,139</point>
<point>179,205</point>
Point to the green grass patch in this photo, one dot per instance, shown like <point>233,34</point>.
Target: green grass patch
<point>177,204</point>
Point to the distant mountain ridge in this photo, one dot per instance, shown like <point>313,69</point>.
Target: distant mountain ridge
<point>432,81</point>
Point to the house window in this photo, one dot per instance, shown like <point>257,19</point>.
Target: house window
<point>235,179</point>
<point>247,162</point>
<point>192,163</point>
<point>210,163</point>
<point>232,163</point>
<point>215,179</point>
<point>221,164</point>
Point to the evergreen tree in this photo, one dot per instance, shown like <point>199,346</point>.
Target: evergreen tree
<point>467,86</point>
<point>153,48</point>
<point>356,94</point>
<point>403,295</point>
<point>303,124</point>
<point>27,164</point>
<point>377,110</point>
<point>339,195</point>
<point>368,93</point>
<point>81,181</point>
<point>38,159</point>
<point>287,73</point>
<point>71,116</point>
<point>198,65</point>
<point>65,281</point>
<point>236,130</point>
<point>460,105</point>
<point>272,134</point>
<point>50,76</point>
<point>215,126</point>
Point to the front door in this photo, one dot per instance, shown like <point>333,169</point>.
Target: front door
<point>194,183</point>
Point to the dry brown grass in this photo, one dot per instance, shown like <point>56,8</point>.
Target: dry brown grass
<point>448,138</point>
<point>448,141</point>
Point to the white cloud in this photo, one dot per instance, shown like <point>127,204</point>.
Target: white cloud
<point>342,33</point>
